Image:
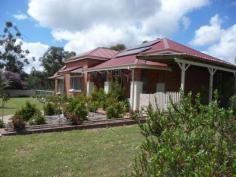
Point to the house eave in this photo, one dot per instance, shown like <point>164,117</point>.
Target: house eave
<point>86,57</point>
<point>132,66</point>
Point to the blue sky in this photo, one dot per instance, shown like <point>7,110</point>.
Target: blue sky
<point>206,25</point>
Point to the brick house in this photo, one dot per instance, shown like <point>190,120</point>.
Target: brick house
<point>71,78</point>
<point>159,69</point>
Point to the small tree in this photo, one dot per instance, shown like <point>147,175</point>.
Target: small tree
<point>190,139</point>
<point>3,95</point>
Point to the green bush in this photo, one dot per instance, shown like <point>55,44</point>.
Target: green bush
<point>1,124</point>
<point>93,106</point>
<point>76,110</point>
<point>51,109</point>
<point>116,91</point>
<point>188,140</point>
<point>18,123</point>
<point>27,111</point>
<point>97,99</point>
<point>37,119</point>
<point>115,110</point>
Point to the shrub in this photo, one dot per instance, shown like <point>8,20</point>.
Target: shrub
<point>37,119</point>
<point>27,111</point>
<point>93,106</point>
<point>188,140</point>
<point>18,123</point>
<point>76,110</point>
<point>51,109</point>
<point>115,110</point>
<point>1,124</point>
<point>116,91</point>
<point>97,98</point>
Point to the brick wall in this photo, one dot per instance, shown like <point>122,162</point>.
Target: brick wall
<point>85,63</point>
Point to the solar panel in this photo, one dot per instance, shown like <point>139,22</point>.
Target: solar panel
<point>133,51</point>
<point>146,44</point>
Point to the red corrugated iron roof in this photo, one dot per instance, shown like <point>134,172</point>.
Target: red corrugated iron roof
<point>98,53</point>
<point>161,46</point>
<point>169,46</point>
<point>63,70</point>
<point>126,61</point>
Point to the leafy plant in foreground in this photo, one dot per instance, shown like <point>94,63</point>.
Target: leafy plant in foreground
<point>76,110</point>
<point>189,139</point>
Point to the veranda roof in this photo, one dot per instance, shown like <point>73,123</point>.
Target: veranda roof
<point>100,53</point>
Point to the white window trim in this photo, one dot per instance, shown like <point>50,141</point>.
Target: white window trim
<point>72,90</point>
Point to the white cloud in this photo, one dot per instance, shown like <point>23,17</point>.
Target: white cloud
<point>87,24</point>
<point>218,41</point>
<point>208,34</point>
<point>226,47</point>
<point>36,50</point>
<point>100,35</point>
<point>20,16</point>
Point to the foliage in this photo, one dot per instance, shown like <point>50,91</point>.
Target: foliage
<point>113,102</point>
<point>116,91</point>
<point>14,80</point>
<point>38,80</point>
<point>97,99</point>
<point>1,124</point>
<point>3,95</point>
<point>53,59</point>
<point>18,123</point>
<point>27,111</point>
<point>190,139</point>
<point>93,105</point>
<point>51,109</point>
<point>116,110</point>
<point>12,55</point>
<point>118,47</point>
<point>37,119</point>
<point>3,83</point>
<point>58,101</point>
<point>76,110</point>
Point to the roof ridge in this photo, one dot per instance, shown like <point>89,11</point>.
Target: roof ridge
<point>166,45</point>
<point>193,49</point>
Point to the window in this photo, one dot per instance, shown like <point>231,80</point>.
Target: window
<point>75,83</point>
<point>60,88</point>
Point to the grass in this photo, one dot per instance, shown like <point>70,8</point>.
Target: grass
<point>14,104</point>
<point>83,153</point>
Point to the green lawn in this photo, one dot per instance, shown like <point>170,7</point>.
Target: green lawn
<point>15,103</point>
<point>83,153</point>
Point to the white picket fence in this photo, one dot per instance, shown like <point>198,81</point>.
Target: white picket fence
<point>159,99</point>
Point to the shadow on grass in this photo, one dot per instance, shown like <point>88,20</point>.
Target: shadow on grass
<point>7,107</point>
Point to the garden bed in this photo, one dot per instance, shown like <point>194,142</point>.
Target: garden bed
<point>65,127</point>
